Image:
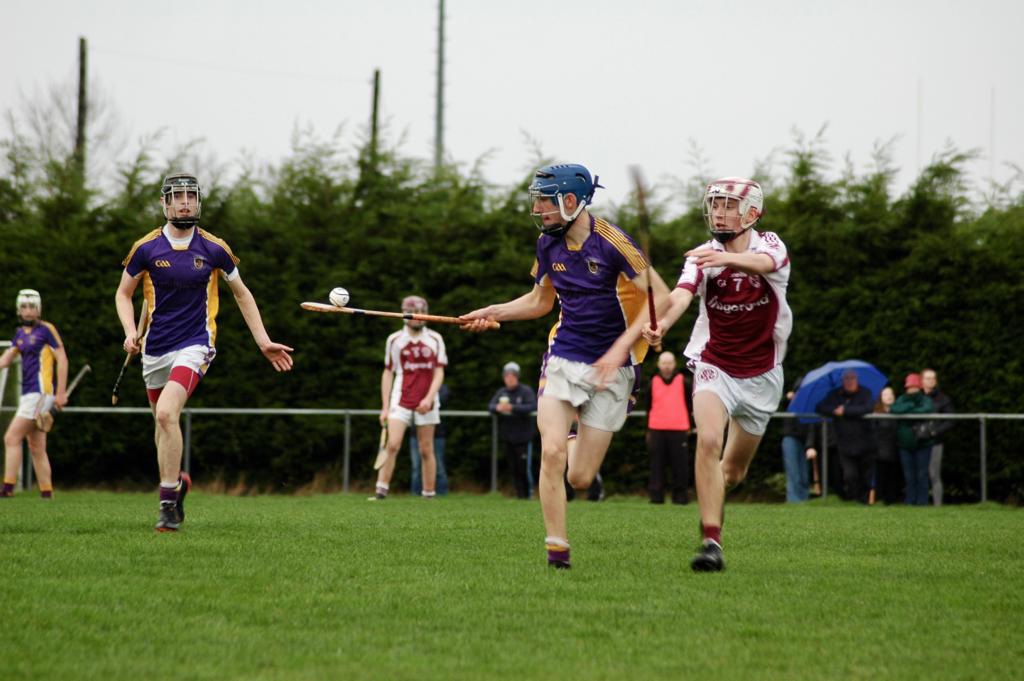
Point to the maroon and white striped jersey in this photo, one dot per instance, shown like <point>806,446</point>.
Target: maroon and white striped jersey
<point>744,319</point>
<point>413,358</point>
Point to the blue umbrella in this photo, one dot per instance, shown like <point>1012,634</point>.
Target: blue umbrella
<point>818,383</point>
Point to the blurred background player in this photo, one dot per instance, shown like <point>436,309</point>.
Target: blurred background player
<point>178,265</point>
<point>594,269</point>
<point>41,351</point>
<point>736,348</point>
<point>414,362</point>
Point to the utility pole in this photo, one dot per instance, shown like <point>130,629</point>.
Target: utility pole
<point>82,111</point>
<point>439,113</point>
<point>374,118</point>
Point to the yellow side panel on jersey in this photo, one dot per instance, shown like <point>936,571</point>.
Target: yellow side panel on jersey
<point>149,237</point>
<point>149,295</point>
<point>47,360</point>
<point>633,302</point>
<point>212,307</point>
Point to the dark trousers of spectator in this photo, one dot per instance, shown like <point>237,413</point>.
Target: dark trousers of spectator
<point>857,475</point>
<point>516,455</point>
<point>888,481</point>
<point>668,447</point>
<point>915,470</point>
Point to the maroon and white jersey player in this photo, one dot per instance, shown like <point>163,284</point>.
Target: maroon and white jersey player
<point>736,348</point>
<point>413,357</point>
<point>744,319</point>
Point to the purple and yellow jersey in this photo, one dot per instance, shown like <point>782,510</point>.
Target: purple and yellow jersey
<point>597,297</point>
<point>179,283</point>
<point>36,345</point>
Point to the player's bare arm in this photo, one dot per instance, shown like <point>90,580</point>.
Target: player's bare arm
<point>537,303</point>
<point>427,403</point>
<point>748,263</point>
<point>126,312</point>
<point>678,302</point>
<point>616,355</point>
<point>387,380</point>
<point>7,358</point>
<point>276,353</point>
<point>61,398</point>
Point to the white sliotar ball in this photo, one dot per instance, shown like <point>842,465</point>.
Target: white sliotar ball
<point>339,297</point>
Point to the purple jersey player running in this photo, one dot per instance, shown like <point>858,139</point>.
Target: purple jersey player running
<point>594,269</point>
<point>178,265</point>
<point>41,352</point>
<point>737,346</point>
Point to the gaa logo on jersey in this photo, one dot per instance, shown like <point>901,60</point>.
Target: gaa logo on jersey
<point>198,263</point>
<point>707,374</point>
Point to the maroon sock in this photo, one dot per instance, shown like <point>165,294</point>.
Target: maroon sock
<point>46,494</point>
<point>168,493</point>
<point>712,532</point>
<point>8,489</point>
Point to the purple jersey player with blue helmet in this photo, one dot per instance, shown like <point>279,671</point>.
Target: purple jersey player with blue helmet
<point>44,378</point>
<point>599,276</point>
<point>179,265</point>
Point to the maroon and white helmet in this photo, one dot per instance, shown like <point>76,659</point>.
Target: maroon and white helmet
<point>746,192</point>
<point>414,304</point>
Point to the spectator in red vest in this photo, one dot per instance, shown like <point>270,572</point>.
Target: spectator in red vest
<point>668,427</point>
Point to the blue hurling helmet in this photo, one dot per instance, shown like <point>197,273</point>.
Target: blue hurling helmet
<point>555,182</point>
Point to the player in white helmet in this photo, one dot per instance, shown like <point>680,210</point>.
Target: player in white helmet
<point>736,348</point>
<point>44,378</point>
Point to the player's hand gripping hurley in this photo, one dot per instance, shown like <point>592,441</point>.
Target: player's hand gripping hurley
<point>140,332</point>
<point>438,319</point>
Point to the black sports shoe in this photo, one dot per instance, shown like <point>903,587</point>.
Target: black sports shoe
<point>186,485</point>
<point>169,520</point>
<point>709,559</point>
<point>559,564</point>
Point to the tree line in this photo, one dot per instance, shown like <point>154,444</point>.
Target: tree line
<point>908,280</point>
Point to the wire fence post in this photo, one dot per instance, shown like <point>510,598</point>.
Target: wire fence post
<point>188,441</point>
<point>347,453</point>
<point>984,462</point>
<point>494,453</point>
<point>824,459</point>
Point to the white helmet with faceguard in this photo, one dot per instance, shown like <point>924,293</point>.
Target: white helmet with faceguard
<point>722,195</point>
<point>175,187</point>
<point>30,297</point>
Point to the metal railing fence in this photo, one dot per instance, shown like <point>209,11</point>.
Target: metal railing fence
<point>347,414</point>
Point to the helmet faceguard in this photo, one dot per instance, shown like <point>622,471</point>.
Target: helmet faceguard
<point>414,305</point>
<point>182,199</point>
<point>31,298</point>
<point>554,183</point>
<point>730,200</point>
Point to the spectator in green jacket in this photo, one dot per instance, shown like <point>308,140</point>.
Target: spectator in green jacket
<point>915,445</point>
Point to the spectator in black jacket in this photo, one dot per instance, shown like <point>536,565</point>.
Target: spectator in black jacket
<point>514,403</point>
<point>855,437</point>
<point>798,450</point>
<point>888,471</point>
<point>942,405</point>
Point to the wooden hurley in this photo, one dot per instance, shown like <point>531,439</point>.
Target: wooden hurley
<point>439,319</point>
<point>44,419</point>
<point>141,327</point>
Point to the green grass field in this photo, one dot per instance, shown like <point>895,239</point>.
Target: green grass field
<point>334,587</point>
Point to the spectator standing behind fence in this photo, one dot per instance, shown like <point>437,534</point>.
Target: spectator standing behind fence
<point>888,473</point>
<point>854,436</point>
<point>915,447</point>
<point>514,403</point>
<point>668,427</point>
<point>941,404</point>
<point>440,437</point>
<point>798,452</point>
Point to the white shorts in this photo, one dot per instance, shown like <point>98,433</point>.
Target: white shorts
<point>29,405</point>
<point>410,417</point>
<point>156,369</point>
<point>751,401</point>
<point>573,382</point>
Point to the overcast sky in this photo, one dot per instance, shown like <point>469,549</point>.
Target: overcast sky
<point>603,82</point>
